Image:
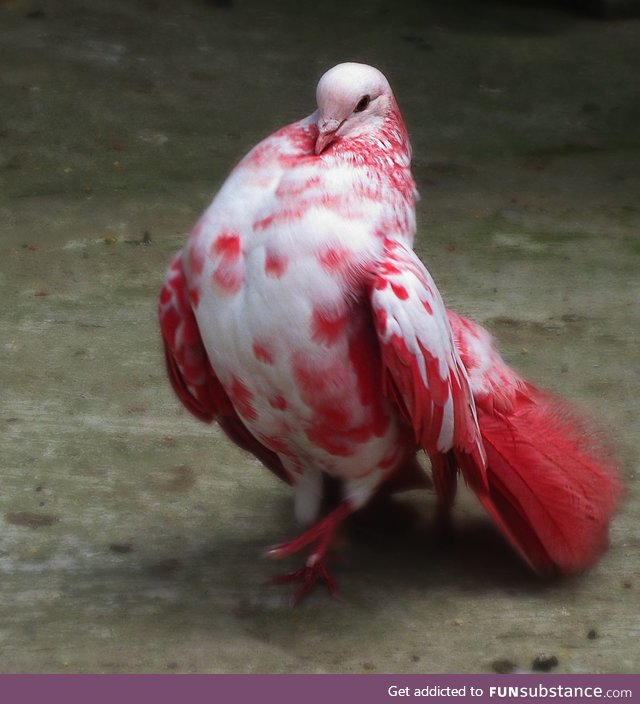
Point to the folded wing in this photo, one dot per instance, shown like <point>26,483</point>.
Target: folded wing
<point>423,372</point>
<point>190,371</point>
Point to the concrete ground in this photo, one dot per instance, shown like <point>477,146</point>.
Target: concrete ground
<point>131,533</point>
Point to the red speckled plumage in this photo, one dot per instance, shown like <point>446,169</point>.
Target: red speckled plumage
<point>298,317</point>
<point>191,374</point>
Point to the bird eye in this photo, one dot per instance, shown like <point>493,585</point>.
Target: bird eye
<point>362,103</point>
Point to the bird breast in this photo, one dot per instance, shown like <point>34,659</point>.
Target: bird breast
<point>278,268</point>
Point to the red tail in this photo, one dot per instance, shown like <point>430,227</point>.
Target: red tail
<point>552,486</point>
<point>552,483</point>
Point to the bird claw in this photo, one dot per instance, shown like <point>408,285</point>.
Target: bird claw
<point>313,571</point>
<point>315,568</point>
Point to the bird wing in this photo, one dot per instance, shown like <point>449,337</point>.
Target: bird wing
<point>191,374</point>
<point>423,373</point>
<point>188,366</point>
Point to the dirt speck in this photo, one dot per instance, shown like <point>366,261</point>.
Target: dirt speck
<point>31,519</point>
<point>166,567</point>
<point>544,662</point>
<point>504,666</point>
<point>121,548</point>
<point>181,478</point>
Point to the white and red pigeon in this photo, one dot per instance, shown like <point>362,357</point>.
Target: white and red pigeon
<point>298,317</point>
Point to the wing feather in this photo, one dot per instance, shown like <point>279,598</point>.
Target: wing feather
<point>424,375</point>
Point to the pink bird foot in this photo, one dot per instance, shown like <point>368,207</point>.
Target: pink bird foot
<point>315,567</point>
<point>308,575</point>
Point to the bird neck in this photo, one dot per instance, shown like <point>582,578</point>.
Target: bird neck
<point>385,147</point>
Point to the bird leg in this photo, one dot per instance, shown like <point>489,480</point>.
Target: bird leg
<point>445,479</point>
<point>314,567</point>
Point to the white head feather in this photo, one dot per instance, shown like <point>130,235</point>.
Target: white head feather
<point>352,99</point>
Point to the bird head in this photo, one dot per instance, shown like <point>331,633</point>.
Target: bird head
<point>352,99</point>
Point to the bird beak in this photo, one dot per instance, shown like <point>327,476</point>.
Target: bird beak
<point>326,133</point>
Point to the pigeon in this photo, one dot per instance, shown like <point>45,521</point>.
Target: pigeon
<point>298,317</point>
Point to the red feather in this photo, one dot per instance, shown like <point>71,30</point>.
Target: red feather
<point>552,483</point>
<point>552,489</point>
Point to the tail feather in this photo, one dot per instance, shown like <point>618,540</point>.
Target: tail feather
<point>553,487</point>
